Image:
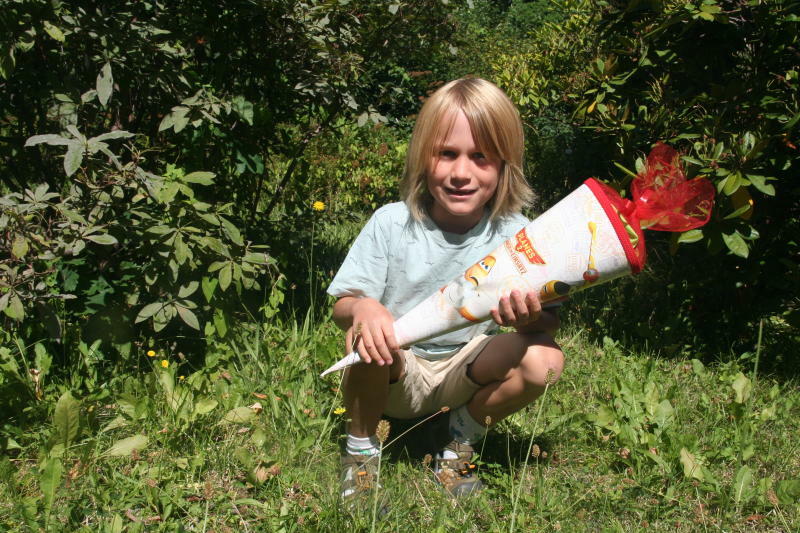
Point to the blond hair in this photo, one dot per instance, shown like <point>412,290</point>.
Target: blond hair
<point>497,130</point>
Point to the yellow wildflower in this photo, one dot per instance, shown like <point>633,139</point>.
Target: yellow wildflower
<point>164,363</point>
<point>318,206</point>
<point>339,411</point>
<point>181,378</point>
<point>151,353</point>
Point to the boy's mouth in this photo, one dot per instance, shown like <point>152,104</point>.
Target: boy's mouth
<point>462,193</point>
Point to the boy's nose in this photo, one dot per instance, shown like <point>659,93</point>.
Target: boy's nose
<point>461,167</point>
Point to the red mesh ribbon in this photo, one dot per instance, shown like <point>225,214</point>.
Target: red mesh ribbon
<point>664,199</point>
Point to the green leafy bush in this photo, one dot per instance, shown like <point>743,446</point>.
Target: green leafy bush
<point>719,81</point>
<point>123,246</point>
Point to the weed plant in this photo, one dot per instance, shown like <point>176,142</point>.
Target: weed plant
<point>250,442</point>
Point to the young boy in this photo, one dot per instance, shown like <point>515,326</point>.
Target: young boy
<point>462,192</point>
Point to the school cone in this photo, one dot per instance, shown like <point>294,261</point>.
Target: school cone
<point>590,237</point>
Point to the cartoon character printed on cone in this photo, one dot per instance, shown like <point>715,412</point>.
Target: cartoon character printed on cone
<point>462,292</point>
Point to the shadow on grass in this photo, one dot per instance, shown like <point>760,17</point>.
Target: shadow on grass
<point>503,446</point>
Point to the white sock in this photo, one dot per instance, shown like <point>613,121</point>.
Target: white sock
<point>362,445</point>
<point>464,428</point>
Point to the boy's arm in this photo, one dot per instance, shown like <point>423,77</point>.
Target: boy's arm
<point>370,325</point>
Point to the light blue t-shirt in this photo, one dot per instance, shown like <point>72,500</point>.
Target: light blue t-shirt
<point>400,262</point>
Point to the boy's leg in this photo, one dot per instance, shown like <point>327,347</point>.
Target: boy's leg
<point>513,370</point>
<point>366,388</point>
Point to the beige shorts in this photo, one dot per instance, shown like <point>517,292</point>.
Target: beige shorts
<point>427,386</point>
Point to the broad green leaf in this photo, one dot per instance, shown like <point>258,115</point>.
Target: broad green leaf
<point>88,96</point>
<point>4,302</point>
<point>209,285</point>
<point>760,183</point>
<point>104,84</point>
<point>116,423</point>
<point>663,414</point>
<point>693,235</point>
<point>220,323</point>
<point>181,250</point>
<point>201,178</point>
<point>205,405</point>
<point>15,308</point>
<point>73,158</point>
<point>76,133</point>
<point>736,244</point>
<point>50,480</point>
<point>257,258</point>
<point>225,276</point>
<point>788,491</point>
<point>238,415</point>
<point>66,418</point>
<point>179,122</point>
<point>19,248</point>
<point>742,484</point>
<point>742,386</point>
<point>232,231</point>
<point>103,238</point>
<point>125,447</point>
<point>691,467</point>
<point>49,138</point>
<point>148,311</point>
<point>54,31</point>
<point>188,289</point>
<point>167,122</point>
<point>188,316</point>
<point>117,134</point>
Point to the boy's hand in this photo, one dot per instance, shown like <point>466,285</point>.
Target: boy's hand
<point>372,332</point>
<point>516,310</point>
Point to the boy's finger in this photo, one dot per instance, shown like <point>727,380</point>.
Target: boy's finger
<point>533,302</point>
<point>379,335</point>
<point>522,311</point>
<point>506,311</point>
<point>372,345</point>
<point>534,306</point>
<point>391,341</point>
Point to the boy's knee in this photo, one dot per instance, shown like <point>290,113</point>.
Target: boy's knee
<point>542,364</point>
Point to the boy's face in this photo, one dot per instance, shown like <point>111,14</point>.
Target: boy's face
<point>462,179</point>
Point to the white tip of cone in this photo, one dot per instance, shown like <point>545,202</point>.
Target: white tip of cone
<point>348,360</point>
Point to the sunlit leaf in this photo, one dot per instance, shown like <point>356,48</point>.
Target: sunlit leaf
<point>103,238</point>
<point>66,418</point>
<point>19,248</point>
<point>691,467</point>
<point>54,31</point>
<point>104,84</point>
<point>201,178</point>
<point>125,447</point>
<point>73,158</point>
<point>50,480</point>
<point>188,316</point>
<point>736,244</point>
<point>742,386</point>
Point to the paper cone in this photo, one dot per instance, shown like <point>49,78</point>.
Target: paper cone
<point>580,242</point>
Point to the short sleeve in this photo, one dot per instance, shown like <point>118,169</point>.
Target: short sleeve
<point>364,270</point>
